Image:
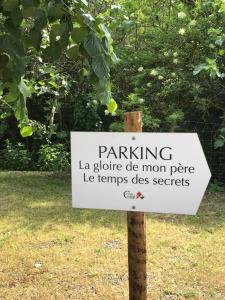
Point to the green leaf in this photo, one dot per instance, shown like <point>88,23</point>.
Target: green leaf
<point>73,52</point>
<point>5,115</point>
<point>100,66</point>
<point>105,45</point>
<point>30,8</point>
<point>21,110</point>
<point>55,10</point>
<point>64,32</point>
<point>127,24</point>
<point>6,43</point>
<point>103,91</point>
<point>79,34</point>
<point>7,74</point>
<point>106,32</point>
<point>9,5</point>
<point>53,52</point>
<point>13,93</point>
<point>28,3</point>
<point>4,60</point>
<point>35,39</point>
<point>18,47</point>
<point>211,61</point>
<point>222,7</point>
<point>114,58</point>
<point>92,45</point>
<point>199,68</point>
<point>104,97</point>
<point>11,28</point>
<point>64,28</point>
<point>24,89</point>
<point>41,19</point>
<point>219,143</point>
<point>103,85</point>
<point>54,84</point>
<point>29,12</point>
<point>85,72</point>
<point>221,52</point>
<point>84,2</point>
<point>115,7</point>
<point>90,22</point>
<point>55,31</point>
<point>219,41</point>
<point>16,16</point>
<point>26,131</point>
<point>112,106</point>
<point>18,65</point>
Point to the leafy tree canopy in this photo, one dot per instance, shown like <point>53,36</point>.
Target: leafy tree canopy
<point>49,29</point>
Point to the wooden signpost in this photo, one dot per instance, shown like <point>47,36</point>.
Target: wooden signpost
<point>136,231</point>
<point>138,172</point>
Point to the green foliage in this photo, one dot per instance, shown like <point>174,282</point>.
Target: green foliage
<point>112,106</point>
<point>220,140</point>
<point>62,95</point>
<point>117,127</point>
<point>53,158</point>
<point>171,67</point>
<point>174,119</point>
<point>171,57</point>
<point>50,28</point>
<point>26,130</point>
<point>135,102</point>
<point>80,119</point>
<point>217,186</point>
<point>210,66</point>
<point>15,157</point>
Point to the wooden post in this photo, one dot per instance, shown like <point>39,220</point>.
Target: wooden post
<point>136,231</point>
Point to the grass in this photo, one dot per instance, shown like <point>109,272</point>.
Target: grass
<point>50,251</point>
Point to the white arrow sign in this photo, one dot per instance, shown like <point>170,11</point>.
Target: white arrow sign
<point>148,172</point>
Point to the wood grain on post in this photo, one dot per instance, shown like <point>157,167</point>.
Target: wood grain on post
<point>136,231</point>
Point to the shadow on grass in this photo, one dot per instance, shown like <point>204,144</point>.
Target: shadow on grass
<point>210,216</point>
<point>35,198</point>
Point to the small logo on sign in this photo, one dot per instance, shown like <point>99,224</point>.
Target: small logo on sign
<point>139,195</point>
<point>130,195</point>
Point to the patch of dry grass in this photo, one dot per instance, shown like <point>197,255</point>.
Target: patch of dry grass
<point>50,251</point>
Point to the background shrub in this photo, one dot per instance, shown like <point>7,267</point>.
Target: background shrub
<point>53,158</point>
<point>15,157</point>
